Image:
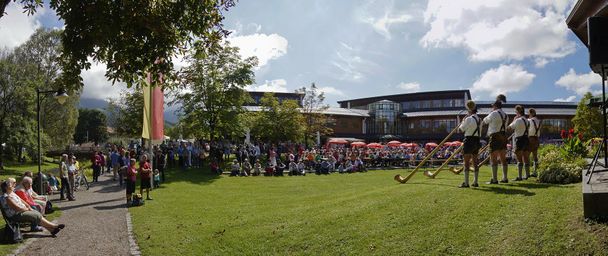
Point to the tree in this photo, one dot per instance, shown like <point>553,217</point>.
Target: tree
<point>587,120</point>
<point>278,121</point>
<point>91,126</point>
<point>313,107</point>
<point>129,36</point>
<point>42,50</point>
<point>126,113</point>
<point>212,93</point>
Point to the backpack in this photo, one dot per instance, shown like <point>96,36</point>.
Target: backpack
<point>49,207</point>
<point>12,233</point>
<point>138,200</point>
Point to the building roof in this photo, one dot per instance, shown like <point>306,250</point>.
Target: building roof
<point>329,111</point>
<point>398,96</point>
<point>577,19</point>
<point>484,111</point>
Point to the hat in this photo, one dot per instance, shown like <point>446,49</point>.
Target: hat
<point>471,105</point>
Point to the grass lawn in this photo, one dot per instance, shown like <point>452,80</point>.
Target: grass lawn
<point>16,171</point>
<point>361,214</point>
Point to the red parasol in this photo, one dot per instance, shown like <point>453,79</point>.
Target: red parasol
<point>375,145</point>
<point>357,144</point>
<point>394,143</point>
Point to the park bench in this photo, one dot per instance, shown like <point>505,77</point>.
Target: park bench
<point>14,226</point>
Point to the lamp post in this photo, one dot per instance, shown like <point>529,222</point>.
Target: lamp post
<point>61,97</point>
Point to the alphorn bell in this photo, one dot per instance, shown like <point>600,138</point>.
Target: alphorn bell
<point>479,165</point>
<point>432,175</point>
<point>403,180</point>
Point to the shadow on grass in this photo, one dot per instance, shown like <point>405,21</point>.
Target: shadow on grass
<point>535,185</point>
<point>192,175</point>
<point>506,191</point>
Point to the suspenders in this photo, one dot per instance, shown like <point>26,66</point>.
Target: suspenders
<point>477,123</point>
<point>526,124</point>
<point>535,127</point>
<point>504,121</point>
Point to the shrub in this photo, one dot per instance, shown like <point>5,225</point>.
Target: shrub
<point>557,168</point>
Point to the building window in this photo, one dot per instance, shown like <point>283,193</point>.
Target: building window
<point>426,104</point>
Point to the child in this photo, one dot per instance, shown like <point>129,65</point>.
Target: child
<point>156,178</point>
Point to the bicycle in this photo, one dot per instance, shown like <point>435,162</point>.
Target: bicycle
<point>81,179</point>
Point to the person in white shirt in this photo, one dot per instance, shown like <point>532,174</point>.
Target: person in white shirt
<point>533,141</point>
<point>471,126</point>
<point>520,128</point>
<point>497,124</point>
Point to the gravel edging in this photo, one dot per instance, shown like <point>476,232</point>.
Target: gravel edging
<point>133,247</point>
<point>22,246</point>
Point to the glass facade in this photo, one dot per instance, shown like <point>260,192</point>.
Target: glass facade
<point>555,125</point>
<point>385,117</point>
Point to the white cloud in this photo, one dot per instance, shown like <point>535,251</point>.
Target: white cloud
<point>382,20</point>
<point>277,85</point>
<point>16,27</point>
<point>504,79</point>
<point>580,83</point>
<point>348,65</point>
<point>500,29</point>
<point>569,99</point>
<point>264,47</point>
<point>331,90</point>
<point>97,86</point>
<point>409,87</point>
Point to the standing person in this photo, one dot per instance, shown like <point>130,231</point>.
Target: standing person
<point>114,160</point>
<point>72,169</point>
<point>497,124</point>
<point>533,139</point>
<point>471,126</point>
<point>160,162</point>
<point>65,184</point>
<point>145,173</point>
<point>131,179</point>
<point>96,165</point>
<point>520,126</point>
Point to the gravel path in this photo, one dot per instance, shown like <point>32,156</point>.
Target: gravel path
<point>96,224</point>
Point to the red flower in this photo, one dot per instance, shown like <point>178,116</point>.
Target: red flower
<point>580,136</point>
<point>563,134</point>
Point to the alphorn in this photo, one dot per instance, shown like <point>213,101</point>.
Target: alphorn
<point>432,175</point>
<point>479,165</point>
<point>403,180</point>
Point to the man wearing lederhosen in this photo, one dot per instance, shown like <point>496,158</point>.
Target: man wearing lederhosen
<point>471,126</point>
<point>497,124</point>
<point>533,139</point>
<point>520,128</point>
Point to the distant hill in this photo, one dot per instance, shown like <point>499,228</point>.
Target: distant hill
<point>170,117</point>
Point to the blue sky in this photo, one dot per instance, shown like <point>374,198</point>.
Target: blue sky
<point>361,48</point>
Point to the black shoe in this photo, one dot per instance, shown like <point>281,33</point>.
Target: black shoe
<point>62,198</point>
<point>517,179</point>
<point>492,182</point>
<point>463,185</point>
<point>504,181</point>
<point>534,175</point>
<point>147,198</point>
<point>474,185</point>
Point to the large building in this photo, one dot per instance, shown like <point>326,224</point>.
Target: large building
<point>425,116</point>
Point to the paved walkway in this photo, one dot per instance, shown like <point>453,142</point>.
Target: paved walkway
<point>96,224</point>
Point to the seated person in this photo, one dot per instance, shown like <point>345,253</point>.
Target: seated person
<point>236,168</point>
<point>215,168</point>
<point>279,168</point>
<point>246,170</point>
<point>293,168</point>
<point>257,168</point>
<point>269,170</point>
<point>360,164</point>
<point>53,183</point>
<point>349,166</point>
<point>19,211</point>
<point>324,168</point>
<point>341,167</point>
<point>24,191</point>
<point>301,167</point>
